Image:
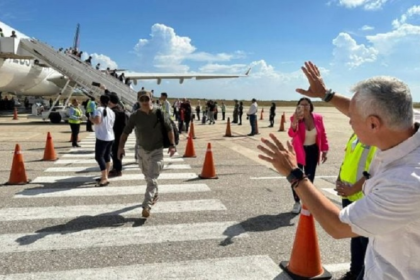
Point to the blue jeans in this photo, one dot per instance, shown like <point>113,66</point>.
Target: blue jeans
<point>358,247</point>
<point>252,119</point>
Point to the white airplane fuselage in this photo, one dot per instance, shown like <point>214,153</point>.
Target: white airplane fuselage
<point>22,77</point>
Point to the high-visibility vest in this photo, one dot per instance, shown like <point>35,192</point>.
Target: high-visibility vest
<point>75,116</point>
<point>90,106</point>
<point>356,160</point>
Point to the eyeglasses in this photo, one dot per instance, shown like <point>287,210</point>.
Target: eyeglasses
<point>144,99</point>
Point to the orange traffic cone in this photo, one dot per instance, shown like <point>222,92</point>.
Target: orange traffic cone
<point>305,261</point>
<point>228,133</point>
<point>192,130</point>
<point>282,121</point>
<point>208,171</point>
<point>262,114</point>
<point>15,116</point>
<point>18,173</point>
<point>49,151</point>
<point>189,149</point>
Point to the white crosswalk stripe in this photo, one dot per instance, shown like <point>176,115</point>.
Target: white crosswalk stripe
<point>92,155</point>
<point>108,191</point>
<point>64,212</point>
<point>93,161</point>
<point>88,178</point>
<point>241,268</point>
<point>131,167</point>
<point>122,236</point>
<point>42,205</point>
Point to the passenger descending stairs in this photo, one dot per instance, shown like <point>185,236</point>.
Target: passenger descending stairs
<point>78,71</point>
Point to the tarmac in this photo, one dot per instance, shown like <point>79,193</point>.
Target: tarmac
<point>239,226</point>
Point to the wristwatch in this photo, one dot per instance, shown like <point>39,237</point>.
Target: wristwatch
<point>295,175</point>
<point>328,95</point>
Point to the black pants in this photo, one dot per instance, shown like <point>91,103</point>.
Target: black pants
<point>88,123</point>
<point>240,118</point>
<point>311,156</point>
<point>75,128</point>
<point>116,163</point>
<point>358,247</point>
<point>272,120</point>
<point>103,153</point>
<point>187,125</point>
<point>223,116</point>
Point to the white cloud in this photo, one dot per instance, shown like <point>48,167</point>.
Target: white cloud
<point>366,4</point>
<point>403,38</point>
<point>411,12</point>
<point>104,60</point>
<point>167,51</point>
<point>350,53</point>
<point>367,28</point>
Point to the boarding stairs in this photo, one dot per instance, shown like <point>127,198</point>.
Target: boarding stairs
<point>79,71</point>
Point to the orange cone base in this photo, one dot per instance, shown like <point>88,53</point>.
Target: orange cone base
<point>201,177</point>
<point>19,183</point>
<point>227,135</point>
<point>284,265</point>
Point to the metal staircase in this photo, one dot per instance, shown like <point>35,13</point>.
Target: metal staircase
<point>78,71</point>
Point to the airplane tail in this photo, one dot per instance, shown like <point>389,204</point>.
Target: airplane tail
<point>76,38</point>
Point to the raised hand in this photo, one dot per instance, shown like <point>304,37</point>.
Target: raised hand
<point>317,87</point>
<point>284,161</point>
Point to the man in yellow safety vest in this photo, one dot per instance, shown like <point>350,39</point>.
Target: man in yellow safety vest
<point>353,173</point>
<point>75,115</point>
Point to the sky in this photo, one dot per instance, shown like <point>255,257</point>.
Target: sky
<point>349,40</point>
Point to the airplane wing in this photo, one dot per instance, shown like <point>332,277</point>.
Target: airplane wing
<point>181,77</point>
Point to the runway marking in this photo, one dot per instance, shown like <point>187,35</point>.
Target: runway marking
<point>88,178</point>
<point>282,177</point>
<point>131,167</point>
<point>119,236</point>
<point>90,161</point>
<point>330,191</point>
<point>337,267</point>
<point>109,191</point>
<point>92,155</point>
<point>244,268</point>
<point>66,212</point>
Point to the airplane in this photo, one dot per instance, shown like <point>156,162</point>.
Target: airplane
<point>25,78</point>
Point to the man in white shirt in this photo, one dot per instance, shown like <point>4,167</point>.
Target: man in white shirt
<point>166,106</point>
<point>252,114</point>
<point>381,114</point>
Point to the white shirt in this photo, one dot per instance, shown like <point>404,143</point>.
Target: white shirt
<point>104,131</point>
<point>167,108</point>
<point>253,109</point>
<point>389,214</point>
<point>310,137</point>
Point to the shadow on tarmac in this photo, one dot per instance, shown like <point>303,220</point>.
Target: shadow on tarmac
<point>110,219</point>
<point>257,224</point>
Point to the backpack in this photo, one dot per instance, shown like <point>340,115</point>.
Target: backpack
<point>161,119</point>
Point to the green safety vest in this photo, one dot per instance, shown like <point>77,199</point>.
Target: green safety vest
<point>356,160</point>
<point>90,107</point>
<point>75,117</point>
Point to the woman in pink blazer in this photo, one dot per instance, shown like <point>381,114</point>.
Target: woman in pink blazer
<point>309,141</point>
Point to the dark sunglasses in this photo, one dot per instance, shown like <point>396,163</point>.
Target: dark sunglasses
<point>144,99</point>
